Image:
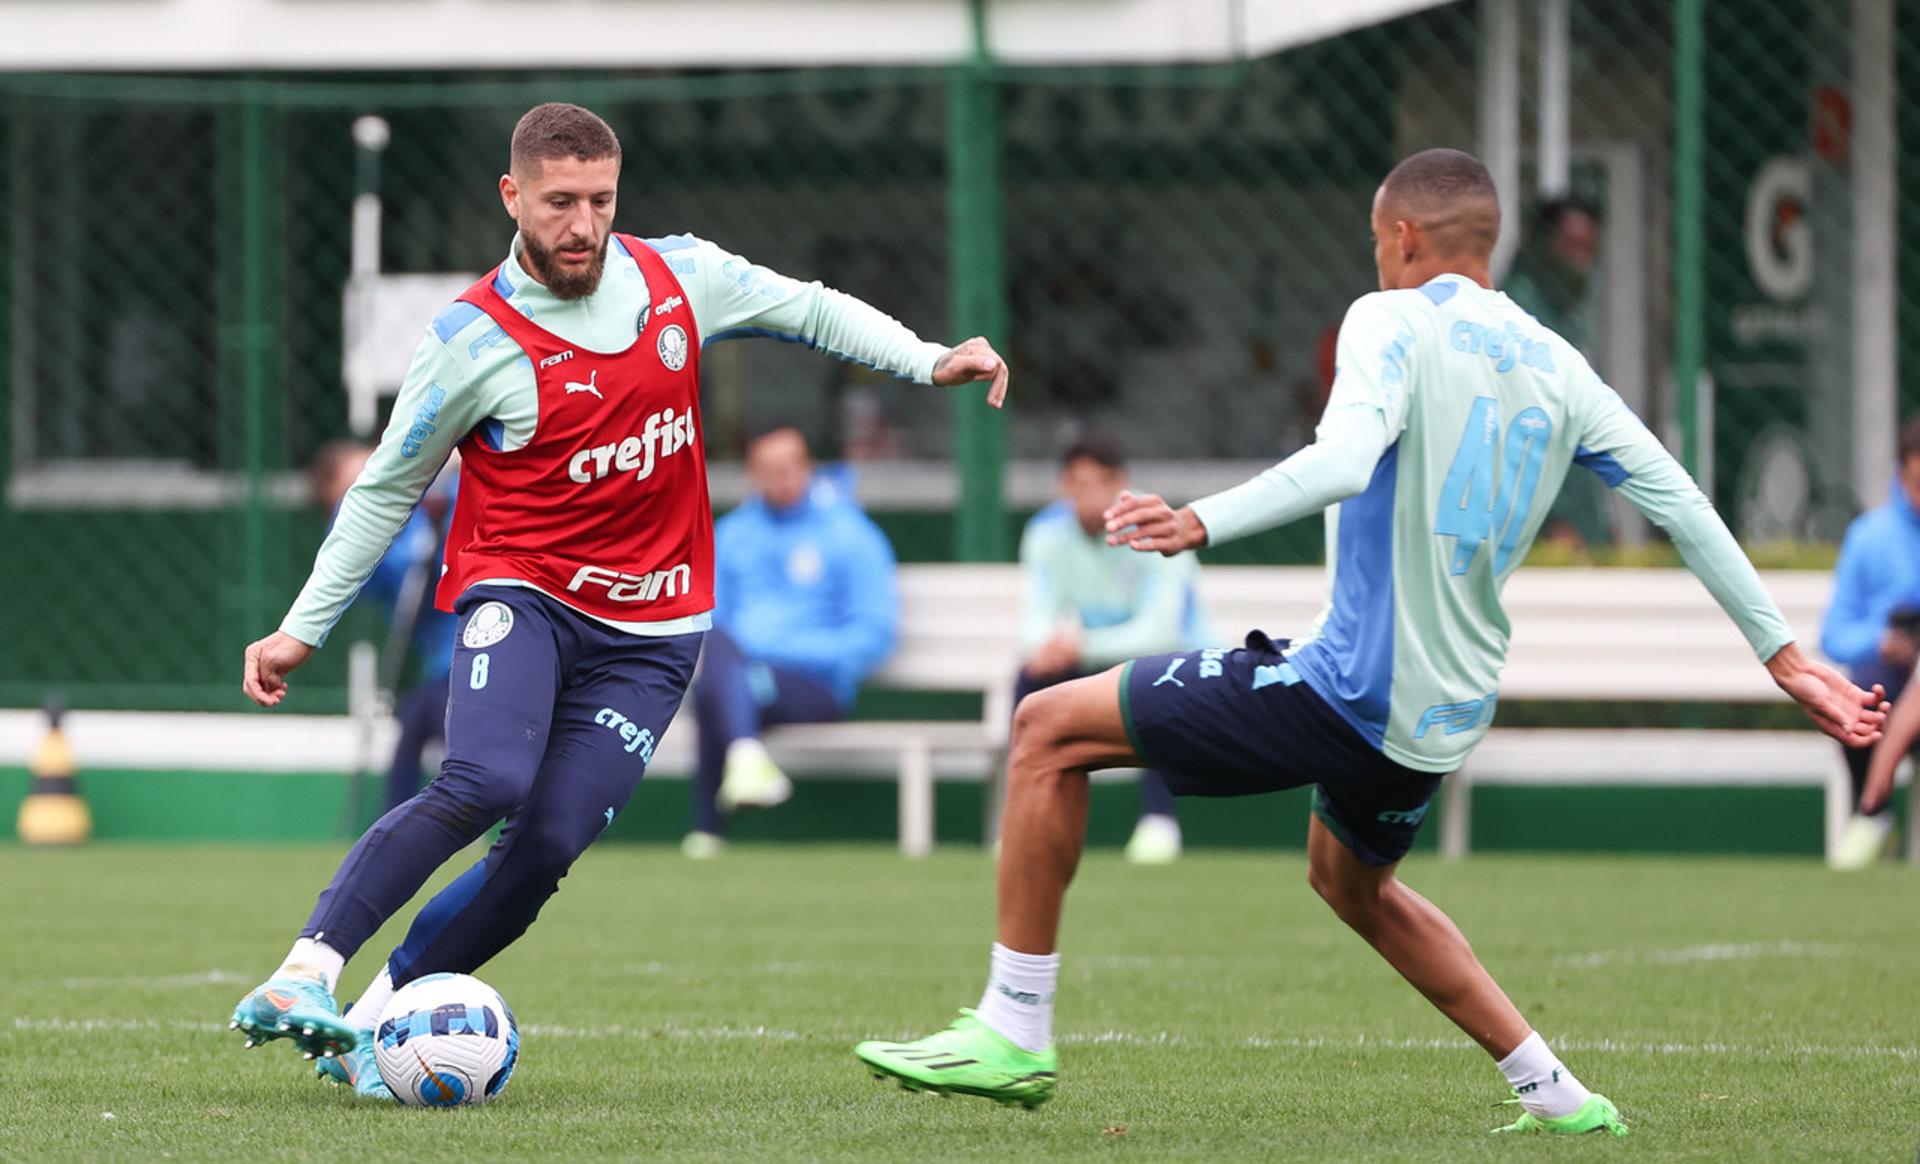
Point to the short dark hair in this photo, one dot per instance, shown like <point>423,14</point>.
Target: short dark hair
<point>760,430</point>
<point>326,460</point>
<point>1910,438</point>
<point>1450,195</point>
<point>558,130</point>
<point>1102,448</point>
<point>1548,213</point>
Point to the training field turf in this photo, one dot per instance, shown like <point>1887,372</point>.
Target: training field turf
<point>1736,1010</point>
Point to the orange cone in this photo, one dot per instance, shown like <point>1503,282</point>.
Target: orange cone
<point>53,813</point>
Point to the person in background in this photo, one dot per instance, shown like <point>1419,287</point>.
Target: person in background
<point>1089,605</point>
<point>805,607</point>
<point>1872,628</point>
<point>1551,278</point>
<point>422,708</point>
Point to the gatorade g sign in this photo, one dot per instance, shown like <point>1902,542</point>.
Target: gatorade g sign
<point>1775,243</point>
<point>1779,253</point>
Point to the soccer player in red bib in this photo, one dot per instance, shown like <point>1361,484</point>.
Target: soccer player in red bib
<point>579,564</point>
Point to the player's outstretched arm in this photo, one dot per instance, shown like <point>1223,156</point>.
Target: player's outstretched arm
<point>1903,728</point>
<point>970,361</point>
<point>1632,461</point>
<point>268,662</point>
<point>434,410</point>
<point>1837,707</point>
<point>732,295</point>
<point>1339,464</point>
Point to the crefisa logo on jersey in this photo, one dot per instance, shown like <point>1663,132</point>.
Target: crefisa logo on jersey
<point>673,347</point>
<point>1505,348</point>
<point>666,433</point>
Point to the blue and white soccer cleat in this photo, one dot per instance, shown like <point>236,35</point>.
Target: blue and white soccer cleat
<point>298,1009</point>
<point>357,1069</point>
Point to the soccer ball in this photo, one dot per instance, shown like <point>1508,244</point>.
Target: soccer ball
<point>445,1040</point>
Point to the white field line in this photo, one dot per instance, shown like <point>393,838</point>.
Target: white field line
<point>1340,1045</point>
<point>1716,952</point>
<point>172,982</point>
<point>1725,952</point>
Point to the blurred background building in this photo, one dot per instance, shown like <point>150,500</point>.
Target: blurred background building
<point>1157,208</point>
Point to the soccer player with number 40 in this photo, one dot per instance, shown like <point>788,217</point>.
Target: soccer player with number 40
<point>1453,419</point>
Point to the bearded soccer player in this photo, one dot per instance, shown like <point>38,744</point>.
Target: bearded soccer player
<point>579,562</point>
<point>1453,419</point>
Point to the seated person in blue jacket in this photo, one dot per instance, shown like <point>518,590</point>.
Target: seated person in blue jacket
<point>1088,605</point>
<point>422,708</point>
<point>1872,626</point>
<point>805,607</point>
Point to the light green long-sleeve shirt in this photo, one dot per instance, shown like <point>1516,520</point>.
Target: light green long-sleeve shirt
<point>1127,604</point>
<point>1453,419</point>
<point>467,375</point>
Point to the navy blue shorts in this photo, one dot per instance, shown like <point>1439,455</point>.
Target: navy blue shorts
<point>1239,722</point>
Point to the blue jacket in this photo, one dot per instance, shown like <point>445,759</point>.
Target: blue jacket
<point>433,632</point>
<point>1878,573</point>
<point>811,588</point>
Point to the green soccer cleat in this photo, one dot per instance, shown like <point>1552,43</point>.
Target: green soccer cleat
<point>357,1069</point>
<point>970,1058</point>
<point>298,1009</point>
<point>1597,1114</point>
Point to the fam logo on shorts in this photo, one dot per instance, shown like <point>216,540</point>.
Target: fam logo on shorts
<point>488,625</point>
<point>673,347</point>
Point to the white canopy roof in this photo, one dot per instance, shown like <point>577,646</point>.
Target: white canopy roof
<point>380,34</point>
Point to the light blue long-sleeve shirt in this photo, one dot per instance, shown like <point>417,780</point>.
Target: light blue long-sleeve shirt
<point>1878,573</point>
<point>1126,604</point>
<point>1454,417</point>
<point>811,588</point>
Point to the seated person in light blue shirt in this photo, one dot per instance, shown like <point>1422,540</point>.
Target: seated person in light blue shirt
<point>805,607</point>
<point>1872,626</point>
<point>1089,605</point>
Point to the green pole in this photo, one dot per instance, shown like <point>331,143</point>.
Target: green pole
<point>977,291</point>
<point>1689,178</point>
<point>250,343</point>
<point>255,241</point>
<point>9,125</point>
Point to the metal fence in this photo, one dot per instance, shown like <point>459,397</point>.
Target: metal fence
<point>1164,252</point>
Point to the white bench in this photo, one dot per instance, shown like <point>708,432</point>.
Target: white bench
<point>1587,635</point>
<point>1606,636</point>
<point>958,632</point>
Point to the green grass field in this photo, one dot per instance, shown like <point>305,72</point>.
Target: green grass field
<point>1736,1010</point>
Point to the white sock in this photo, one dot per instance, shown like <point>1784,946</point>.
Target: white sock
<point>1545,1086</point>
<point>1019,998</point>
<point>311,958</point>
<point>364,1014</point>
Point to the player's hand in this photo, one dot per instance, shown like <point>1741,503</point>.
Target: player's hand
<point>1840,709</point>
<point>268,662</point>
<point>970,361</point>
<point>1146,523</point>
<point>1056,656</point>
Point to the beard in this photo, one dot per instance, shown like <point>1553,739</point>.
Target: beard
<point>565,283</point>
